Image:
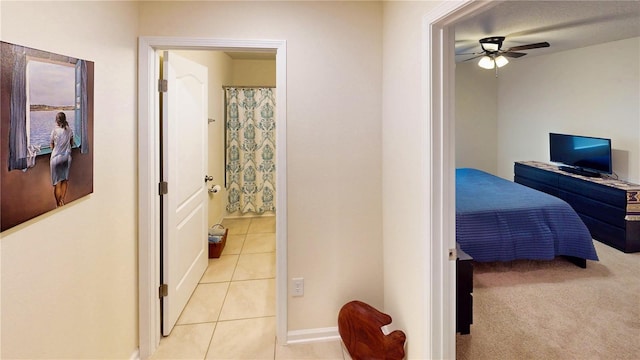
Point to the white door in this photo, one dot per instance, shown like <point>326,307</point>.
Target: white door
<point>185,245</point>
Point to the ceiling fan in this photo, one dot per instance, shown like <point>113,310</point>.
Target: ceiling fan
<point>493,56</point>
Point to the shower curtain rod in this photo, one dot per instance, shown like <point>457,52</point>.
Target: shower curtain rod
<point>247,87</point>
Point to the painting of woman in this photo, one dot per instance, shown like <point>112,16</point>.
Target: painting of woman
<point>60,163</point>
<point>44,92</point>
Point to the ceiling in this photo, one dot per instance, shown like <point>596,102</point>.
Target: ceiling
<point>563,24</point>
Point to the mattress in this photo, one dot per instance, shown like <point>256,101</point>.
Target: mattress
<point>500,220</point>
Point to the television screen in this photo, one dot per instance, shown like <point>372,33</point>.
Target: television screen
<point>586,154</point>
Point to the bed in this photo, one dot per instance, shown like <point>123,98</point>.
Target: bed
<point>500,220</point>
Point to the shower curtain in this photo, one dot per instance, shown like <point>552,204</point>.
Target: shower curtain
<point>250,149</point>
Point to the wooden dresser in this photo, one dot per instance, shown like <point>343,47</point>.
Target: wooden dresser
<point>610,208</point>
<point>464,292</point>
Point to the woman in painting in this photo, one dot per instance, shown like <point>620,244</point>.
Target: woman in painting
<point>61,144</point>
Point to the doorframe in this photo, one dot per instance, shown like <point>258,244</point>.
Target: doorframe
<point>438,87</point>
<point>149,170</point>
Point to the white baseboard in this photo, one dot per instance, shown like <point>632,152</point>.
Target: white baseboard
<point>313,335</point>
<point>135,355</point>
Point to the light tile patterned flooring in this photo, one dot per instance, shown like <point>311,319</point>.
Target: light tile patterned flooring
<point>231,314</point>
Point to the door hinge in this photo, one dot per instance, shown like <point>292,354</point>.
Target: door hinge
<point>453,254</point>
<point>163,188</point>
<point>163,290</point>
<point>162,85</point>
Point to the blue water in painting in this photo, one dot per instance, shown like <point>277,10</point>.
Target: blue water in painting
<point>42,122</point>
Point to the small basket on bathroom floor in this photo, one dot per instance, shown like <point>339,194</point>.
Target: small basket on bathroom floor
<point>217,240</point>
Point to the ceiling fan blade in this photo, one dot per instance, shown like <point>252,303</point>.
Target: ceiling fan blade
<point>512,54</point>
<point>529,46</point>
<point>475,57</point>
<point>472,53</point>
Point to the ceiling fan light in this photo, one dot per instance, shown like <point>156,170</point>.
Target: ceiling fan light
<point>501,61</point>
<point>490,46</point>
<point>486,62</point>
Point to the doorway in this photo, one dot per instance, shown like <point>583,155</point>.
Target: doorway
<point>149,202</point>
<point>438,81</point>
<point>239,194</point>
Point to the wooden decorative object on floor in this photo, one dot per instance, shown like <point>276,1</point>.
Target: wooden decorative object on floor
<point>360,324</point>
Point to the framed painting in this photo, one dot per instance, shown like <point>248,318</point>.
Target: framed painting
<point>46,132</point>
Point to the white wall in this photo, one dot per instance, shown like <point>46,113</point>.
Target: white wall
<point>336,117</point>
<point>589,91</point>
<point>248,72</point>
<point>476,117</point>
<point>69,278</point>
<point>406,164</point>
<point>334,134</point>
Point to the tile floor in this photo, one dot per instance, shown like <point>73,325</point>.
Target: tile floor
<point>231,314</point>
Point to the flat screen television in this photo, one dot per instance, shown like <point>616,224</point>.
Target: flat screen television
<point>584,155</point>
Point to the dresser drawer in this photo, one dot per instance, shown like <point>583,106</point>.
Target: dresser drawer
<point>540,186</point>
<point>601,204</point>
<point>599,192</point>
<point>536,175</point>
<point>595,209</point>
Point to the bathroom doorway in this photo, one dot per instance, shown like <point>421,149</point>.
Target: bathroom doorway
<point>149,154</point>
<point>240,190</point>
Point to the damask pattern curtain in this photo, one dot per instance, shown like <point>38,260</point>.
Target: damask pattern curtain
<point>250,165</point>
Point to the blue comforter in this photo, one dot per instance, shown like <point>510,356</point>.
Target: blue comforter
<point>500,220</point>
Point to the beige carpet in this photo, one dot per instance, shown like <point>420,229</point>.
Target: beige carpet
<point>556,310</point>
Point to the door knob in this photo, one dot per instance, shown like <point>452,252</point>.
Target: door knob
<point>208,178</point>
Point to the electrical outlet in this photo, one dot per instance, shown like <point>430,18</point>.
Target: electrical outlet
<point>297,287</point>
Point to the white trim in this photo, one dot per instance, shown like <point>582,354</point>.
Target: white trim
<point>281,193</point>
<point>313,335</point>
<point>438,81</point>
<point>148,178</point>
<point>148,205</point>
<point>135,355</point>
